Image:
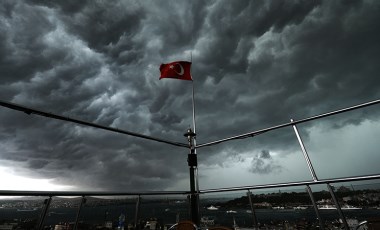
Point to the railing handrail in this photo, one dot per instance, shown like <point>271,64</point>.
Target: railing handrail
<point>205,191</point>
<point>88,193</point>
<point>293,184</point>
<point>29,111</point>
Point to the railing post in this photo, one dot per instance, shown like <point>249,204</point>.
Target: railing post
<point>254,218</point>
<point>306,156</point>
<point>82,202</point>
<point>137,225</point>
<point>337,205</point>
<point>308,189</point>
<point>44,212</point>
<point>193,163</point>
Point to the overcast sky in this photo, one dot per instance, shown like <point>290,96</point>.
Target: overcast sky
<point>256,64</point>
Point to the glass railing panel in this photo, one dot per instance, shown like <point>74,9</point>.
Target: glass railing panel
<point>61,212</point>
<point>274,209</point>
<point>359,201</point>
<point>107,212</point>
<point>272,157</point>
<point>20,212</point>
<point>324,202</point>
<point>163,211</point>
<point>344,145</point>
<point>176,208</point>
<point>215,209</point>
<point>284,208</point>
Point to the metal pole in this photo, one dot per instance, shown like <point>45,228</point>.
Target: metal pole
<point>47,204</point>
<point>192,162</point>
<point>337,205</point>
<point>137,226</point>
<point>306,156</point>
<point>193,103</point>
<point>82,202</point>
<point>195,144</point>
<point>308,189</point>
<point>254,218</point>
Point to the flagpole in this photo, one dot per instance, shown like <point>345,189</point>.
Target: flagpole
<point>183,72</point>
<point>192,84</point>
<point>195,148</point>
<point>194,123</point>
<point>196,198</point>
<point>194,126</point>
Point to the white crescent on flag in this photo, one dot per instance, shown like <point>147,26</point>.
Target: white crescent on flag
<point>182,70</point>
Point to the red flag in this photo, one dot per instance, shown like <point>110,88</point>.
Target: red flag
<point>178,70</point>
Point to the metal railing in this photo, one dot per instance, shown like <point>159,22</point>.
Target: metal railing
<point>249,189</point>
<point>196,193</point>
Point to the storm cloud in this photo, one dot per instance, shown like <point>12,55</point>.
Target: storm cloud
<point>256,64</point>
<point>264,164</point>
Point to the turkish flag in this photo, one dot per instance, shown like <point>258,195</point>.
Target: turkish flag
<point>178,70</point>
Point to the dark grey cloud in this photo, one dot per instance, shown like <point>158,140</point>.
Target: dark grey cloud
<point>255,64</point>
<point>301,71</point>
<point>264,164</point>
